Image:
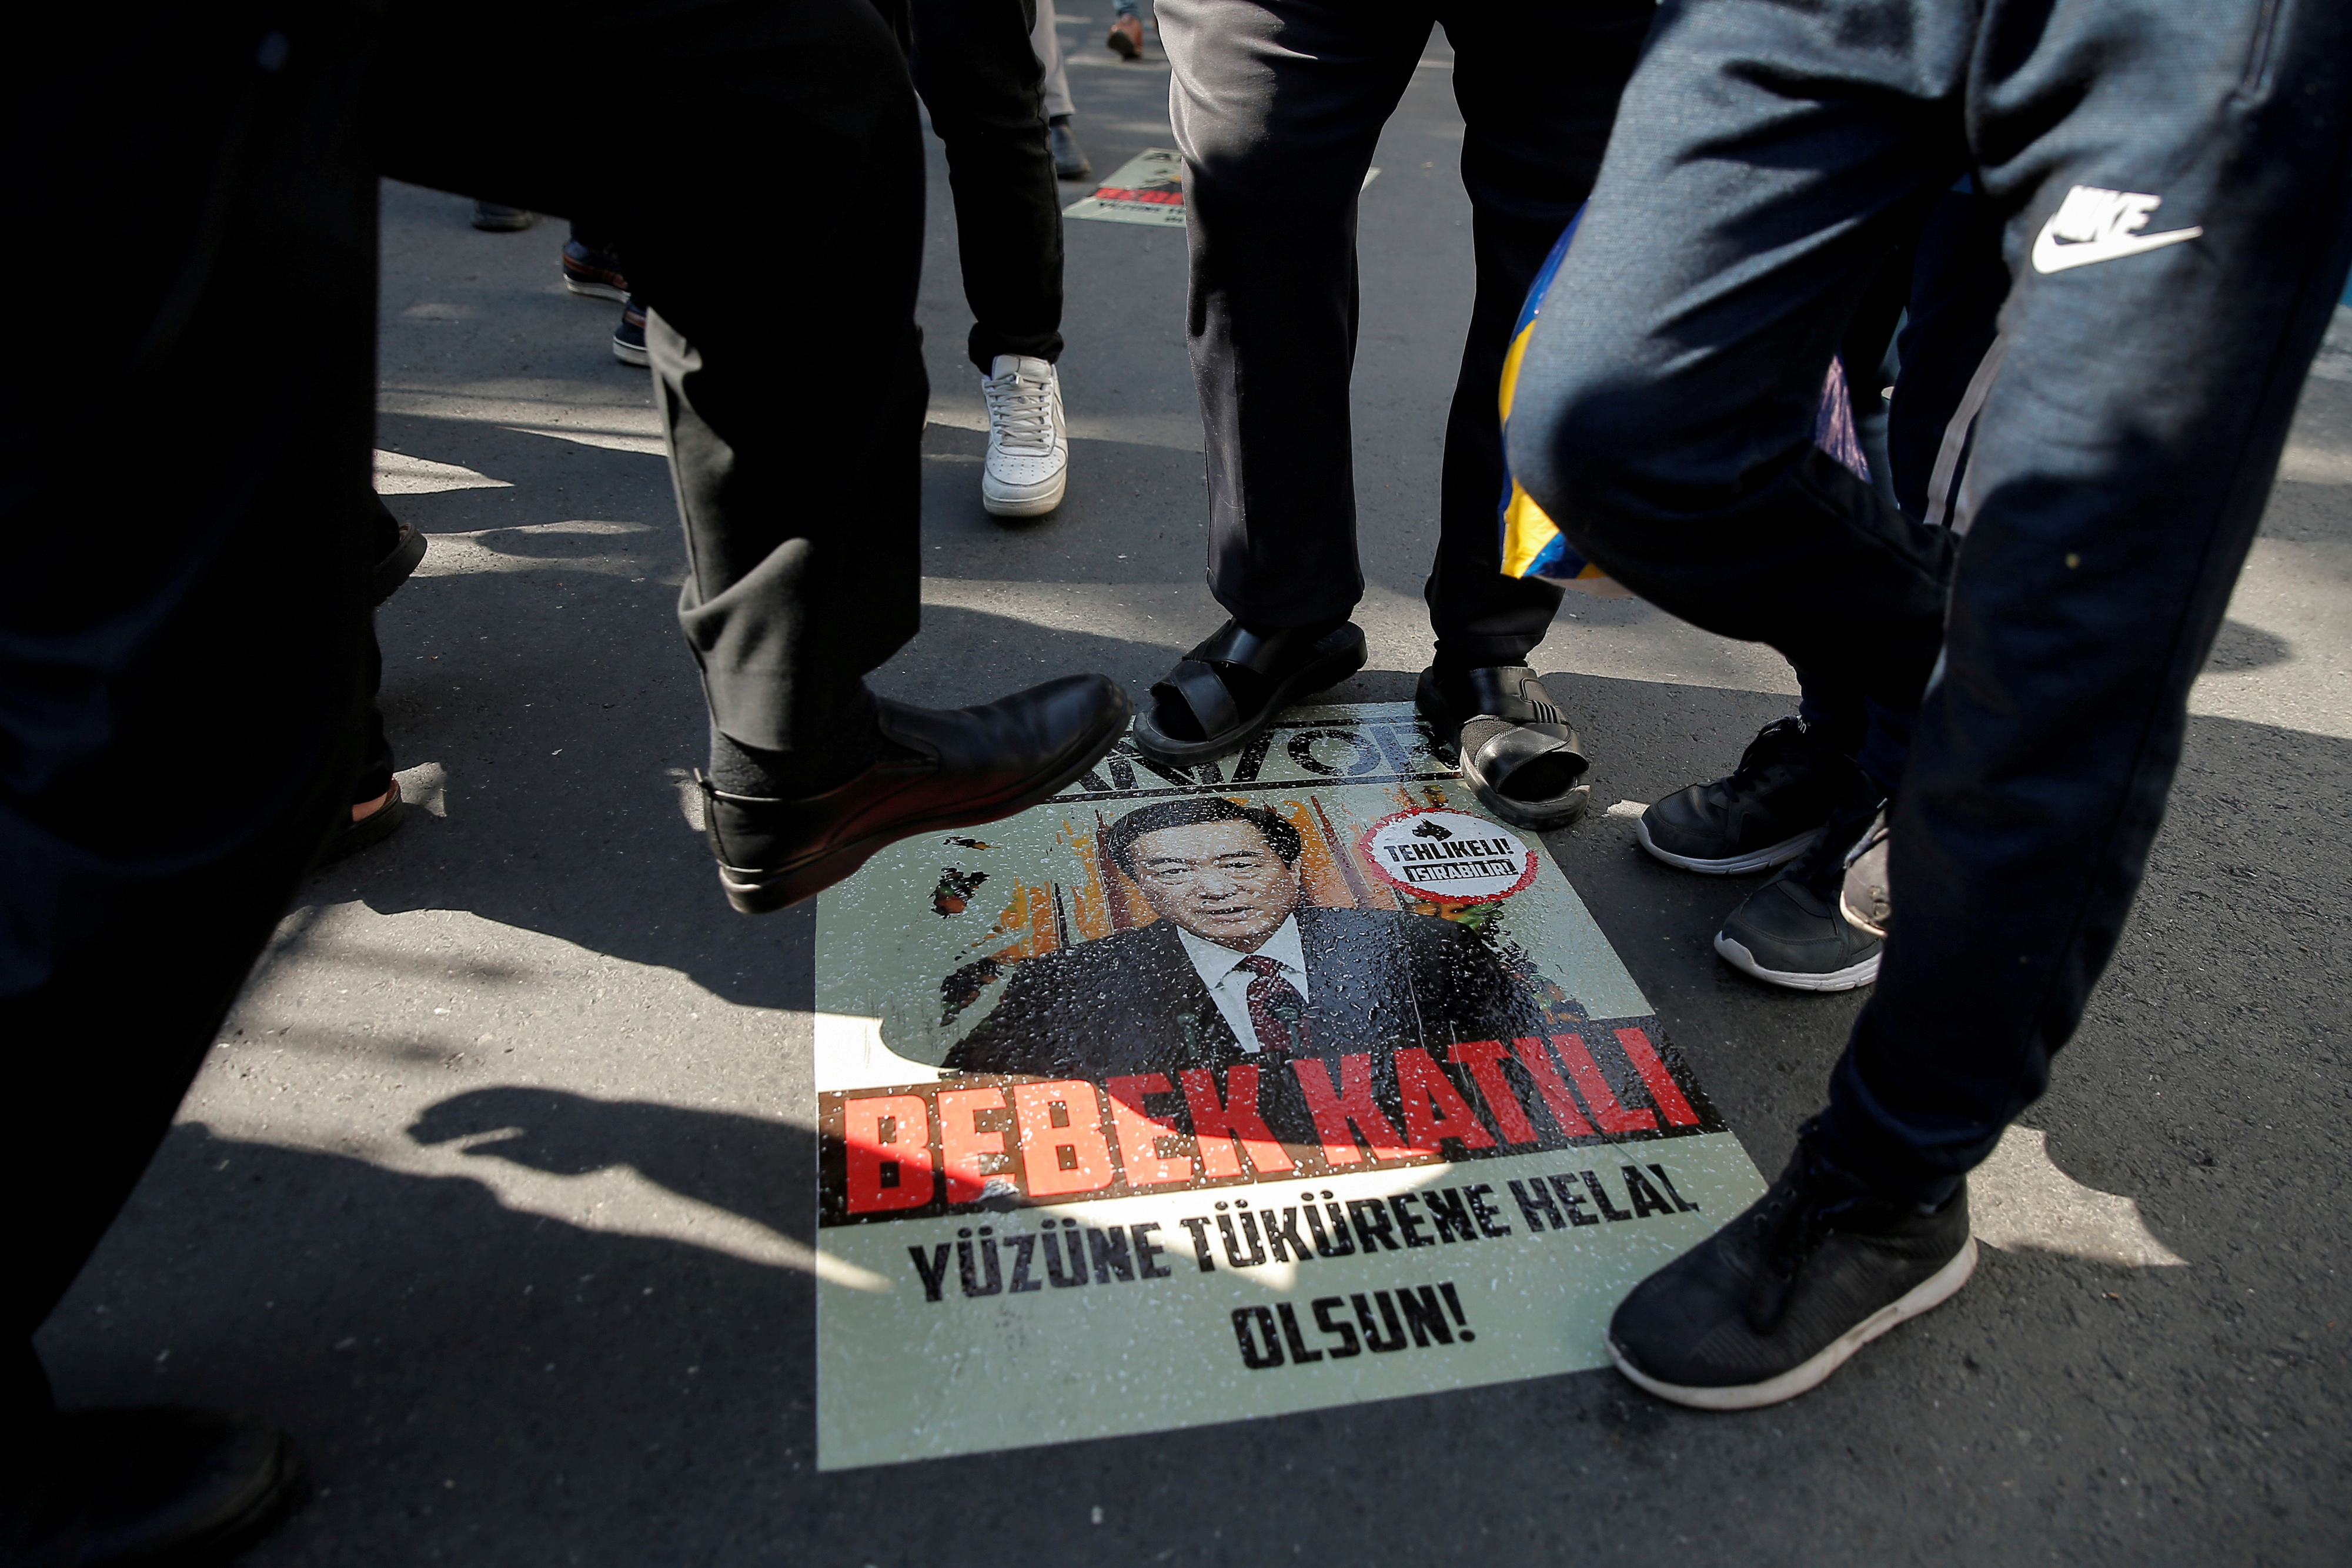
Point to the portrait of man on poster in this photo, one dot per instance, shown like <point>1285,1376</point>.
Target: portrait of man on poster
<point>1239,966</point>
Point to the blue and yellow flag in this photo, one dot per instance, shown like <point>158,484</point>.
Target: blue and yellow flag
<point>1533,545</point>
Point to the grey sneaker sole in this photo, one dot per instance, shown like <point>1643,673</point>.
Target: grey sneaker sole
<point>1735,954</point>
<point>590,290</point>
<point>1937,1289</point>
<point>1764,859</point>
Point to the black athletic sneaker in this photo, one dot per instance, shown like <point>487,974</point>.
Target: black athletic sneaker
<point>1767,812</point>
<point>629,337</point>
<point>593,270</point>
<point>1775,1302</point>
<point>1793,930</point>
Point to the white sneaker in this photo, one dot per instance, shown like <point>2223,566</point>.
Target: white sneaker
<point>1028,442</point>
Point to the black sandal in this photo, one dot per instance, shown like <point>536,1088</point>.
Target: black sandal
<point>1275,669</point>
<point>1517,752</point>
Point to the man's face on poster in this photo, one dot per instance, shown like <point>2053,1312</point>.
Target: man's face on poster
<point>1220,881</point>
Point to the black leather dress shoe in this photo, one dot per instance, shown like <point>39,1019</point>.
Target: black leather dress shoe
<point>160,1487</point>
<point>937,770</point>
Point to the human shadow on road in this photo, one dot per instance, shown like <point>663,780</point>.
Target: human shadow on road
<point>472,1382</point>
<point>750,1165</point>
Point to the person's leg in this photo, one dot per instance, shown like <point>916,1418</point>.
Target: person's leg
<point>982,76</point>
<point>1665,424</point>
<point>1070,161</point>
<point>1795,795</point>
<point>1537,88</point>
<point>2118,475</point>
<point>1126,40</point>
<point>983,85</point>
<point>2184,218</point>
<point>1046,43</point>
<point>804,575</point>
<point>1276,105</point>
<point>227,624</point>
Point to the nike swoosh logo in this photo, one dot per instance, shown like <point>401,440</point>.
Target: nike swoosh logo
<point>2052,254</point>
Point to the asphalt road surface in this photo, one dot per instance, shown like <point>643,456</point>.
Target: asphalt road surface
<point>497,1190</point>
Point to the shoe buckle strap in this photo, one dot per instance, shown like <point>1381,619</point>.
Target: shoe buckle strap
<point>1263,653</point>
<point>1195,684</point>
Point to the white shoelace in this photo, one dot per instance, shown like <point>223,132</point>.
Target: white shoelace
<point>1020,412</point>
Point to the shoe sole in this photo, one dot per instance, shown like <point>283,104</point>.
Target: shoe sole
<point>628,356</point>
<point>1735,954</point>
<point>765,896</point>
<point>1327,671</point>
<point>1563,810</point>
<point>1123,49</point>
<point>1002,505</point>
<point>593,290</point>
<point>1780,853</point>
<point>1932,1291</point>
<point>396,567</point>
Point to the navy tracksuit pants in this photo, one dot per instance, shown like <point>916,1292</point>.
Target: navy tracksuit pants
<point>2175,184</point>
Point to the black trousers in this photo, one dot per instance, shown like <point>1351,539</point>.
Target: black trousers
<point>1953,281</point>
<point>985,90</point>
<point>774,154</point>
<point>204,403</point>
<point>226,616</point>
<point>2175,182</point>
<point>1278,105</point>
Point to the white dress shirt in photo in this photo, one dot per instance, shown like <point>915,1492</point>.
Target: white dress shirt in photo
<point>1229,983</point>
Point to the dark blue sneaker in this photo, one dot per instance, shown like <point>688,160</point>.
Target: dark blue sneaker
<point>629,337</point>
<point>593,270</point>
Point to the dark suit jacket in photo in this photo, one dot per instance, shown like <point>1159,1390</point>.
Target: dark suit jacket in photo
<point>1132,1002</point>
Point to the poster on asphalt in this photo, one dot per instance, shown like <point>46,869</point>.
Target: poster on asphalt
<point>1149,188</point>
<point>1280,1082</point>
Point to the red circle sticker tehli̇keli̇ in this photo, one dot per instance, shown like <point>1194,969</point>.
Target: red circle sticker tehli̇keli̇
<point>1448,857</point>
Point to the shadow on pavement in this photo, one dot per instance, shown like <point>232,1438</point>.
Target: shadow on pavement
<point>761,1170</point>
<point>476,1383</point>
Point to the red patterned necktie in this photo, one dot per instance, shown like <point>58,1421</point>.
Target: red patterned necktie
<point>1275,1005</point>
